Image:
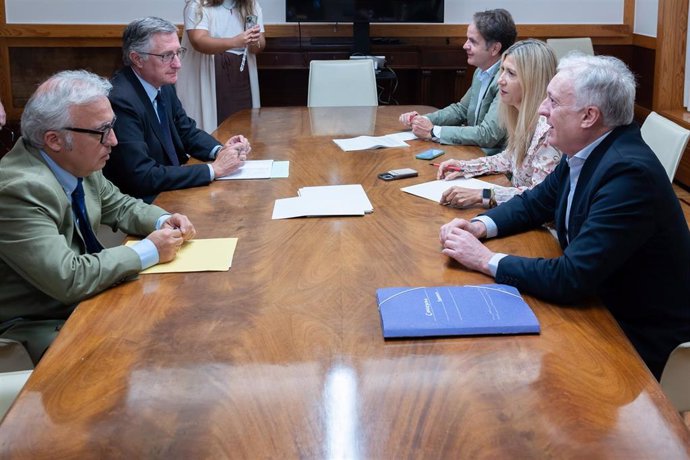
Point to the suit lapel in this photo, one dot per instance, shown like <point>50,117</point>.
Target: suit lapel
<point>486,101</point>
<point>561,201</point>
<point>472,107</point>
<point>151,116</point>
<point>67,226</point>
<point>582,191</point>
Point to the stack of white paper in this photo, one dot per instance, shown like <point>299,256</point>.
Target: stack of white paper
<point>327,200</point>
<point>434,190</point>
<point>375,142</point>
<point>259,169</point>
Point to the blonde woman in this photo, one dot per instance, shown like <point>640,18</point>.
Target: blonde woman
<point>219,75</point>
<point>526,69</point>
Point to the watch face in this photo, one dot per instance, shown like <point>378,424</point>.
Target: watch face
<point>486,194</point>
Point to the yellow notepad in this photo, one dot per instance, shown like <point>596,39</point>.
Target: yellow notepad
<point>204,255</point>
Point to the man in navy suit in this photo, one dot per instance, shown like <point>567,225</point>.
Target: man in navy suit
<point>156,135</point>
<point>622,230</point>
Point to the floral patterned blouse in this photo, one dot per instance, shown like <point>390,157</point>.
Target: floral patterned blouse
<point>539,161</point>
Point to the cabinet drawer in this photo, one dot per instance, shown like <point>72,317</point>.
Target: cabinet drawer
<point>444,59</point>
<point>402,59</point>
<point>282,60</point>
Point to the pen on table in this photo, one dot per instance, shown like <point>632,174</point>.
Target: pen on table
<point>449,168</point>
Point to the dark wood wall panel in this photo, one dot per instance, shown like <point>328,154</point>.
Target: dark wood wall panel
<point>642,64</point>
<point>430,75</point>
<point>29,66</point>
<point>428,72</point>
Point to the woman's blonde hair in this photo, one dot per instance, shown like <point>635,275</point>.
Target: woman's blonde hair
<point>535,64</point>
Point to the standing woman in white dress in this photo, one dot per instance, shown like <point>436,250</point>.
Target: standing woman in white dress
<point>211,85</point>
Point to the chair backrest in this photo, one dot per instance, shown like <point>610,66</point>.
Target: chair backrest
<point>666,139</point>
<point>563,46</point>
<point>15,368</point>
<point>675,380</point>
<point>11,383</point>
<point>344,83</point>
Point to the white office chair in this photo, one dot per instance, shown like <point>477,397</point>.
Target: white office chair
<point>342,83</point>
<point>675,379</point>
<point>15,368</point>
<point>563,46</point>
<point>666,139</point>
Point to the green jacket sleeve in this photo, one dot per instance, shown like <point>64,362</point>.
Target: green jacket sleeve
<point>486,130</point>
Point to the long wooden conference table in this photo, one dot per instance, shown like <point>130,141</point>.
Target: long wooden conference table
<point>283,355</point>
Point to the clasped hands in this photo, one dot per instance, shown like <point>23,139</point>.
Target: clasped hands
<point>231,156</point>
<point>171,236</point>
<point>252,36</point>
<point>457,197</point>
<point>421,126</point>
<point>460,241</point>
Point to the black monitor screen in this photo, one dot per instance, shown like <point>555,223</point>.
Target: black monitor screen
<point>364,10</point>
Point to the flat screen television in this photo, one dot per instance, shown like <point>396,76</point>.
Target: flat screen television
<point>363,12</point>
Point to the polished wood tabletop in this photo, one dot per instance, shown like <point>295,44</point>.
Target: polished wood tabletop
<point>283,355</point>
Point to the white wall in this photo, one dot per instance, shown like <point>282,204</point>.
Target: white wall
<point>646,15</point>
<point>456,11</point>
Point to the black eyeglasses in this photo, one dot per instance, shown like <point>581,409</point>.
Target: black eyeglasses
<point>104,132</point>
<point>167,58</point>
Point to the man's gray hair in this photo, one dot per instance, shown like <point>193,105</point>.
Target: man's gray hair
<point>48,108</point>
<point>604,82</point>
<point>138,33</point>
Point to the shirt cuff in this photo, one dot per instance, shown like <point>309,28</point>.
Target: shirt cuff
<point>491,229</point>
<point>147,252</point>
<point>212,155</point>
<point>436,133</point>
<point>493,262</point>
<point>161,220</point>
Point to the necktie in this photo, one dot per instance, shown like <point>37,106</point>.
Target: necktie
<point>79,206</point>
<point>165,128</point>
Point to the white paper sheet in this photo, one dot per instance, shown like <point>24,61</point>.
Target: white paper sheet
<point>375,142</point>
<point>251,169</point>
<point>403,136</point>
<point>326,200</point>
<point>280,169</point>
<point>434,190</point>
<point>351,193</point>
<point>299,206</point>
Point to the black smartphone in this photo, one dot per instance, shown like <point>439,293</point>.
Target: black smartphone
<point>395,174</point>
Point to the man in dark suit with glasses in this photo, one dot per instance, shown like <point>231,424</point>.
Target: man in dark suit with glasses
<point>156,135</point>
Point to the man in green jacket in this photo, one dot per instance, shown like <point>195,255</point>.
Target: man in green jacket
<point>52,196</point>
<point>473,120</point>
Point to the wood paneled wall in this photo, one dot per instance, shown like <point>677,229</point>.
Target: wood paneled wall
<point>30,53</point>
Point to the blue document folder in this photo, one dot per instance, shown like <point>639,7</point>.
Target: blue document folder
<point>454,310</point>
